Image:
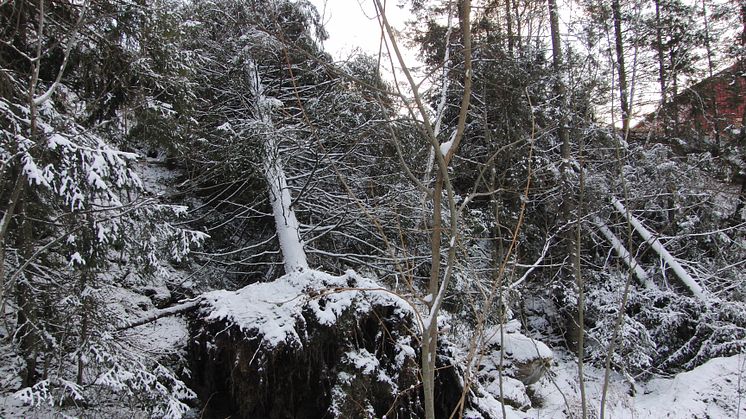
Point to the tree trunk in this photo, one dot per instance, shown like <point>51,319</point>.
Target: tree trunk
<point>684,277</point>
<point>661,64</point>
<point>443,183</point>
<point>28,338</point>
<point>621,70</point>
<point>559,87</point>
<point>571,243</point>
<point>437,287</point>
<point>287,225</point>
<point>741,60</point>
<point>581,287</point>
<point>710,71</point>
<point>624,254</point>
<point>509,24</point>
<point>15,196</point>
<point>518,26</point>
<point>562,129</point>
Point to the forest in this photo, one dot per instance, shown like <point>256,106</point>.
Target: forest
<point>204,214</point>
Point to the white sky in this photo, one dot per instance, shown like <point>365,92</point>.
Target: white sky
<point>353,26</point>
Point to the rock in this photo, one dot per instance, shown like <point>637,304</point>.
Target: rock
<point>525,361</point>
<point>159,295</point>
<point>306,346</point>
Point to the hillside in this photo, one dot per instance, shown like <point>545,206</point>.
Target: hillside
<point>205,215</point>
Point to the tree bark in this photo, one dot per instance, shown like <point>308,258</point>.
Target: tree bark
<point>710,70</point>
<point>28,338</point>
<point>624,254</point>
<point>443,183</point>
<point>559,87</point>
<point>571,241</point>
<point>621,70</point>
<point>661,63</point>
<point>562,129</point>
<point>509,24</point>
<point>15,196</point>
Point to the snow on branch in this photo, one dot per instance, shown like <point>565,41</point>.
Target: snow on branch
<point>157,314</point>
<point>623,253</point>
<point>39,100</point>
<point>656,245</point>
<point>288,227</point>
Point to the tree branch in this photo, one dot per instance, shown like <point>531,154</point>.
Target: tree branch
<point>157,314</point>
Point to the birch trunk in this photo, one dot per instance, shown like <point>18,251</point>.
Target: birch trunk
<point>443,155</point>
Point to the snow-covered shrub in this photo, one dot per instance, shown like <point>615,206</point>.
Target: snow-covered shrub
<point>116,373</point>
<point>75,209</point>
<point>662,330</point>
<point>636,348</point>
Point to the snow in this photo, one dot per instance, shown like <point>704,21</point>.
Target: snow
<point>405,351</point>
<point>363,360</point>
<point>518,347</point>
<point>446,146</point>
<point>288,227</point>
<point>270,309</point>
<point>155,178</point>
<point>268,104</point>
<point>286,223</point>
<point>513,390</point>
<point>713,390</point>
<point>623,253</point>
<point>56,140</point>
<point>491,406</point>
<point>162,336</point>
<point>671,261</point>
<point>33,173</point>
<point>274,310</point>
<point>77,259</point>
<point>226,126</point>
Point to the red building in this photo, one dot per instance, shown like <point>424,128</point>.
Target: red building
<point>707,114</point>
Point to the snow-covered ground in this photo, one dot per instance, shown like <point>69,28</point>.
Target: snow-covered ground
<point>273,309</point>
<point>713,390</point>
<point>129,296</point>
<point>716,389</point>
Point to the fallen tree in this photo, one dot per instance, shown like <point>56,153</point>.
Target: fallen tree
<point>684,277</point>
<point>623,253</point>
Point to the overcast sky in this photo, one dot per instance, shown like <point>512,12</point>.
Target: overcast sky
<point>352,25</point>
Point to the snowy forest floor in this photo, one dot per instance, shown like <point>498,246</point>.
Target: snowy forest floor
<point>716,389</point>
<point>713,390</point>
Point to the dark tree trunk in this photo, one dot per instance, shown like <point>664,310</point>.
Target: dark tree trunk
<point>623,95</point>
<point>661,64</point>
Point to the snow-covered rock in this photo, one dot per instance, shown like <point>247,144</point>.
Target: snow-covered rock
<point>308,344</point>
<point>524,359</point>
